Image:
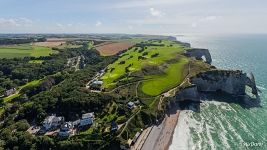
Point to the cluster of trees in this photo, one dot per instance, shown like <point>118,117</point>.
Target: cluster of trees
<point>7,41</point>
<point>63,93</point>
<point>18,71</point>
<point>155,55</point>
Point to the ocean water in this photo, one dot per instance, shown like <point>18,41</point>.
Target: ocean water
<point>222,125</point>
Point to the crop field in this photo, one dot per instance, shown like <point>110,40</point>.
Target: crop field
<point>112,48</point>
<point>165,73</point>
<point>24,50</point>
<point>51,42</point>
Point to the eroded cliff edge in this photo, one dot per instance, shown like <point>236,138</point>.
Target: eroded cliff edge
<point>233,82</point>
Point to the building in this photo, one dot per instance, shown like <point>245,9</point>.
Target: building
<point>87,119</point>
<point>96,85</point>
<point>97,82</point>
<point>10,92</point>
<point>76,123</point>
<point>130,105</point>
<point>114,126</point>
<point>52,122</point>
<point>66,129</point>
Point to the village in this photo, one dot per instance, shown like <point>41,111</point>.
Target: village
<point>54,125</point>
<point>57,126</point>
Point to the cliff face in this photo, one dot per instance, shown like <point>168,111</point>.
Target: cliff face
<point>231,82</point>
<point>188,93</point>
<point>199,53</point>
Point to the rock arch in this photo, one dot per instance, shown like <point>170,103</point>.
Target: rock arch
<point>199,53</point>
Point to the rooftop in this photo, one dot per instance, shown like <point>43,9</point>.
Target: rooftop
<point>88,115</point>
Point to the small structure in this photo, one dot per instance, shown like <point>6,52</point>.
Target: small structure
<point>96,85</point>
<point>76,123</point>
<point>130,105</point>
<point>87,119</point>
<point>52,122</point>
<point>10,92</point>
<point>65,129</point>
<point>97,82</point>
<point>114,126</point>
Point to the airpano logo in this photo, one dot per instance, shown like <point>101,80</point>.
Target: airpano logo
<point>253,144</point>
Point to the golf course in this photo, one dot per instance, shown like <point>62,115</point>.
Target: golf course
<point>157,64</point>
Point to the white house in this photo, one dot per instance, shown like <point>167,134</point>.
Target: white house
<point>87,119</point>
<point>52,121</point>
<point>10,92</point>
<point>98,82</point>
<point>131,105</point>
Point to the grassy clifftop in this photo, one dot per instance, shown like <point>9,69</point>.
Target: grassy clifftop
<point>157,64</point>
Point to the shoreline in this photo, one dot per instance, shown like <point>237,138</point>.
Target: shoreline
<point>160,137</point>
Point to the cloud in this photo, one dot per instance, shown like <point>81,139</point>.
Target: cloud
<point>149,3</point>
<point>98,23</point>
<point>156,13</point>
<point>210,18</point>
<point>15,22</point>
<point>194,25</point>
<point>130,27</point>
<point>60,25</point>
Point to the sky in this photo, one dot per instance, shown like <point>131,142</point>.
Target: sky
<point>134,16</point>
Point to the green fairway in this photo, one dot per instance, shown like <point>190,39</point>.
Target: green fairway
<point>24,50</point>
<point>161,83</point>
<point>167,52</point>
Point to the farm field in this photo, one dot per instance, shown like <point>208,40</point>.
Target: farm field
<point>51,42</point>
<point>112,48</point>
<point>24,50</point>
<point>161,60</point>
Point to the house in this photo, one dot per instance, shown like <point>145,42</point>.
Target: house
<point>76,123</point>
<point>114,126</point>
<point>52,122</point>
<point>87,119</point>
<point>10,92</point>
<point>66,129</point>
<point>97,82</point>
<point>130,105</point>
<point>96,85</point>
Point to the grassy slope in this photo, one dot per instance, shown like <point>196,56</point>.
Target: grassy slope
<point>159,83</point>
<point>24,50</point>
<point>17,94</point>
<point>32,83</point>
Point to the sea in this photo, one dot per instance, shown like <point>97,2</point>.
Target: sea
<point>230,124</point>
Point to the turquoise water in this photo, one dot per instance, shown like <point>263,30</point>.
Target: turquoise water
<point>220,125</point>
